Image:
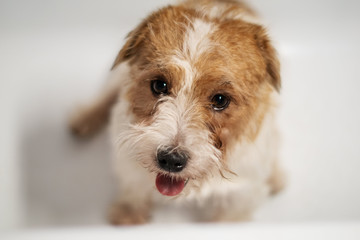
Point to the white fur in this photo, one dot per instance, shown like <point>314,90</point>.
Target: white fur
<point>197,39</point>
<point>195,43</point>
<point>122,160</point>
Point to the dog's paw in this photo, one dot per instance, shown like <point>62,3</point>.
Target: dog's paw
<point>277,181</point>
<point>85,122</point>
<point>126,214</point>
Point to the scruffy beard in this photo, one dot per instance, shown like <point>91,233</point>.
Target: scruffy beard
<point>175,123</point>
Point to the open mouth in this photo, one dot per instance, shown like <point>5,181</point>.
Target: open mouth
<point>169,186</point>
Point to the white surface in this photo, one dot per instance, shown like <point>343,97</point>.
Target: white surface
<point>334,231</point>
<point>56,54</point>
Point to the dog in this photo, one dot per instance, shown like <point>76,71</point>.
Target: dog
<point>191,102</point>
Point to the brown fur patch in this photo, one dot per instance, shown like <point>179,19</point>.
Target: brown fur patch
<point>156,35</point>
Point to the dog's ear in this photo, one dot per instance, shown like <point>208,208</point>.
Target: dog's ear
<point>269,54</point>
<point>134,41</point>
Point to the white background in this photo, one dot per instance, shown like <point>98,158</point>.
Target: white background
<point>56,54</point>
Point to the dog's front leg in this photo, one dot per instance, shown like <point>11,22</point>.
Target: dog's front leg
<point>134,202</point>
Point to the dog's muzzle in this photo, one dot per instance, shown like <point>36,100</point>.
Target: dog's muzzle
<point>172,159</point>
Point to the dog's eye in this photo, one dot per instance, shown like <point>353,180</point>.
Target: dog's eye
<point>159,86</point>
<point>220,102</point>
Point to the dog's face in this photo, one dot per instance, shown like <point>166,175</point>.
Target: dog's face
<point>197,87</point>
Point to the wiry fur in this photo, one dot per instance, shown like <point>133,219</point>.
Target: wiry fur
<point>201,48</point>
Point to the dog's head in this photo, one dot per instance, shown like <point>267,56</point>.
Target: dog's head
<point>197,87</point>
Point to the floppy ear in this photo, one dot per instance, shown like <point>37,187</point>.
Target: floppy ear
<point>269,54</point>
<point>133,44</point>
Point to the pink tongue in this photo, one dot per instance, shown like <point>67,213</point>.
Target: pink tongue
<point>168,186</point>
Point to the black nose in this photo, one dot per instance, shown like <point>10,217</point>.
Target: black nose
<point>172,160</point>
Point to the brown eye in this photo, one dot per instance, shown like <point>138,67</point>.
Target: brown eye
<point>220,102</point>
<point>159,86</point>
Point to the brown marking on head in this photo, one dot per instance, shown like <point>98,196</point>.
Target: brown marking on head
<point>160,32</point>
